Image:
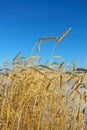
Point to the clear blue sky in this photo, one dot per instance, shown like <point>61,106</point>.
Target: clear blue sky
<point>23,22</point>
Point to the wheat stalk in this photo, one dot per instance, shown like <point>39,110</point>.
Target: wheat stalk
<point>45,38</point>
<point>58,40</point>
<point>16,57</point>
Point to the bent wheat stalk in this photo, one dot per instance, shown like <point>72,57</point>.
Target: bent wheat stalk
<point>41,40</point>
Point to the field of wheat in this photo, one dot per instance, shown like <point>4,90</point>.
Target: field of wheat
<point>34,96</point>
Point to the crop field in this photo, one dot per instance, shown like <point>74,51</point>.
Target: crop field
<point>35,96</point>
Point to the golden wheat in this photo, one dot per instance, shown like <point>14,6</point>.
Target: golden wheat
<point>40,97</point>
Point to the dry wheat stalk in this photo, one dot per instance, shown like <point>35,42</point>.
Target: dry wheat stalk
<point>16,57</point>
<point>58,40</point>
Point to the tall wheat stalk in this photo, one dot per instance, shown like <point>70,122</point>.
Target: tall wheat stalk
<point>58,40</point>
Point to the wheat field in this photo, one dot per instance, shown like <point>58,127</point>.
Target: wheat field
<point>34,96</point>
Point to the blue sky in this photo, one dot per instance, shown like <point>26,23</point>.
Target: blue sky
<point>23,22</point>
